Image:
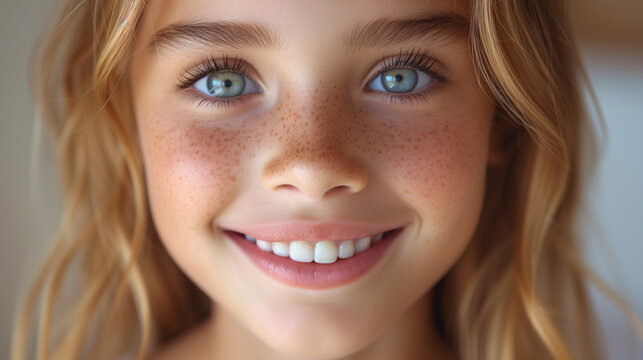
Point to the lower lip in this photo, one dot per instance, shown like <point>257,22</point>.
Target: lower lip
<point>312,275</point>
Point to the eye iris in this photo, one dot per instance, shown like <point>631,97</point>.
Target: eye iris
<point>399,80</point>
<point>225,84</point>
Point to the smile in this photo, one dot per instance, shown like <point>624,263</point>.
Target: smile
<point>321,252</point>
<point>314,263</point>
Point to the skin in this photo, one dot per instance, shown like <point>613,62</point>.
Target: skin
<point>313,145</point>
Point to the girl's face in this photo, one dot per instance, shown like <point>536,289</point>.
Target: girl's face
<point>256,114</point>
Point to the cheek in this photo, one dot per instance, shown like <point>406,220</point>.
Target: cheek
<point>433,158</point>
<point>436,163</point>
<point>192,168</point>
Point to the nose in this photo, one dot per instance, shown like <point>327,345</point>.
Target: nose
<point>315,162</point>
<point>314,177</point>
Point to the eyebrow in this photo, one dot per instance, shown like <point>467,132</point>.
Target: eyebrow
<point>382,32</point>
<point>385,32</point>
<point>225,34</point>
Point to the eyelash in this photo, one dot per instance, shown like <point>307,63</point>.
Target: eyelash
<point>209,66</point>
<point>417,60</point>
<point>413,59</point>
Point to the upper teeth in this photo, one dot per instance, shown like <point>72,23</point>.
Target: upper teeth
<point>322,252</point>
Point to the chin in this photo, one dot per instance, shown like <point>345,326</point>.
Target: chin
<point>312,342</point>
<point>316,349</point>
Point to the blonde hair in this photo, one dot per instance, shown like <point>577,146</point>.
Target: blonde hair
<point>518,292</point>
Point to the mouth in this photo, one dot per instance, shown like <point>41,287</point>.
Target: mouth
<point>317,264</point>
<point>320,252</point>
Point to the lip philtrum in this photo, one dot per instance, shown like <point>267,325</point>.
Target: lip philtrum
<point>321,252</point>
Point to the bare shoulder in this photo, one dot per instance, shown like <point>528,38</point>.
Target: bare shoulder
<point>187,346</point>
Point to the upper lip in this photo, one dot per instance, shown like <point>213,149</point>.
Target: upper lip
<point>310,231</point>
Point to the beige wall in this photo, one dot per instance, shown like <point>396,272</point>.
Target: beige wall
<point>28,195</point>
<point>24,225</point>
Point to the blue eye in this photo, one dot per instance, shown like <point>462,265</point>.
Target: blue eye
<point>400,80</point>
<point>226,84</point>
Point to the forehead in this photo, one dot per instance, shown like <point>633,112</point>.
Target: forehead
<point>292,20</point>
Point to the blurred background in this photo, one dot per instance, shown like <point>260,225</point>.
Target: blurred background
<point>611,40</point>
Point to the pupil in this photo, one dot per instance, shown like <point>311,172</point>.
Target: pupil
<point>227,83</point>
<point>398,77</point>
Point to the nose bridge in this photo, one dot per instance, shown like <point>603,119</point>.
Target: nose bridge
<point>316,155</point>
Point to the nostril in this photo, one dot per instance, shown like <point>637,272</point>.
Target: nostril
<point>338,190</point>
<point>287,187</point>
